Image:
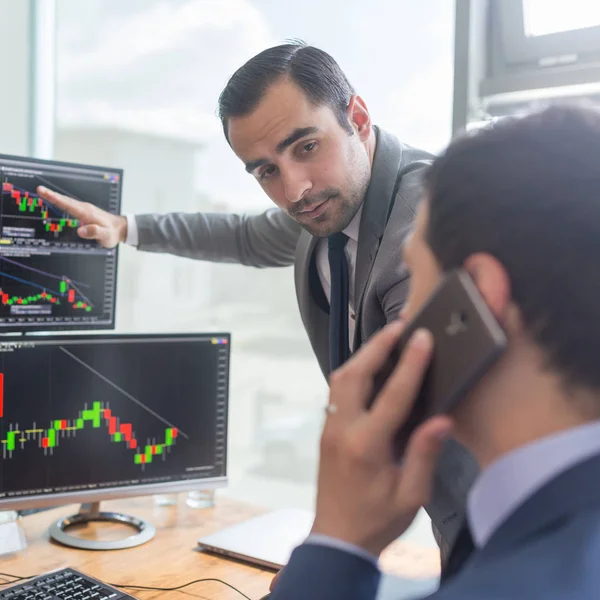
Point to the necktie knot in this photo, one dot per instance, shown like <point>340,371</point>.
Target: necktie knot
<point>337,242</point>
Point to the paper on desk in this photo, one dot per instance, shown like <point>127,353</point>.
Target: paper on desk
<point>12,538</point>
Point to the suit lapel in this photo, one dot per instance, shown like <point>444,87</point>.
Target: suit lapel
<point>304,256</point>
<point>312,302</point>
<point>571,492</point>
<point>377,205</point>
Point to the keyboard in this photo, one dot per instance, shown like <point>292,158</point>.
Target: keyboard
<point>63,584</point>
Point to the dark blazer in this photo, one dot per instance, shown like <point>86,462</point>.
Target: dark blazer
<point>549,548</point>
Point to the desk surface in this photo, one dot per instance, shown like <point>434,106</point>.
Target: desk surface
<point>171,558</point>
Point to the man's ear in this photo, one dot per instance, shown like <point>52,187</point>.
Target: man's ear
<point>359,117</point>
<point>493,283</point>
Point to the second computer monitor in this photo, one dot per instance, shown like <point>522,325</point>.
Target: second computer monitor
<point>50,278</point>
<point>89,418</point>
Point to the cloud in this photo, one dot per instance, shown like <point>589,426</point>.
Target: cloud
<point>164,27</point>
<point>159,69</point>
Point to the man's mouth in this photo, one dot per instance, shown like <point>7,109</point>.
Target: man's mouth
<point>317,210</point>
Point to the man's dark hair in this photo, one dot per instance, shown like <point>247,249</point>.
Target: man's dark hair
<point>314,71</point>
<point>527,191</point>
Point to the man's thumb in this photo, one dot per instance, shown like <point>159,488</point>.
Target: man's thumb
<point>421,457</point>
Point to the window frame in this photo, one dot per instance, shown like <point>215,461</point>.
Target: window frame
<point>517,48</point>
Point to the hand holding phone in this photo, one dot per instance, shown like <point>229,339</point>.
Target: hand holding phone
<point>467,342</point>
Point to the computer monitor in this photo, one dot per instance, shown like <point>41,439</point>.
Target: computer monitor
<point>50,278</point>
<point>86,418</point>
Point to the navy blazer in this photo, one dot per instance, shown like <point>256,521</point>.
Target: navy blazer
<point>549,548</point>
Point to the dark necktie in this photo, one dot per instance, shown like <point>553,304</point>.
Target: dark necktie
<point>461,550</point>
<point>339,347</point>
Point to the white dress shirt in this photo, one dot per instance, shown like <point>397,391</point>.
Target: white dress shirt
<point>505,485</point>
<point>133,237</point>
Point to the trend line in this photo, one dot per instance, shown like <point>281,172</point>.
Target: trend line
<point>51,275</point>
<point>60,189</point>
<point>41,287</point>
<point>122,391</point>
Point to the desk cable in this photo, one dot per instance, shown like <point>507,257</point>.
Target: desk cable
<point>17,578</point>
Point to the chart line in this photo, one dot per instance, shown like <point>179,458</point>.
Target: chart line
<point>51,275</point>
<point>59,188</point>
<point>49,438</point>
<point>37,285</point>
<point>24,217</point>
<point>50,206</point>
<point>44,289</point>
<point>122,391</point>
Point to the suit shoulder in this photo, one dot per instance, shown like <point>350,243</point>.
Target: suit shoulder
<point>413,165</point>
<point>411,155</point>
<point>536,567</point>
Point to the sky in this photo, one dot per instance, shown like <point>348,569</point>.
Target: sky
<point>159,65</point>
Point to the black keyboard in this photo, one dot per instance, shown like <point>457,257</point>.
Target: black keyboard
<point>64,584</point>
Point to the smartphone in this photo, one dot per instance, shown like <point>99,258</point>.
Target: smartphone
<point>467,341</point>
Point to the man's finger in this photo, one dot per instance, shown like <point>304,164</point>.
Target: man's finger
<point>74,207</point>
<point>351,383</point>
<point>393,404</point>
<point>420,461</point>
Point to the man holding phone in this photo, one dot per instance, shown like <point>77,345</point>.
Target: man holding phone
<point>526,236</point>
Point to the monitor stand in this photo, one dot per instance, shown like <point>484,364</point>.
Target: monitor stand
<point>91,512</point>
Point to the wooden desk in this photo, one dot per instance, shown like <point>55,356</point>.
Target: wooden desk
<point>171,558</point>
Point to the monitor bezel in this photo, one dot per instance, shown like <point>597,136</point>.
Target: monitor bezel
<point>117,493</point>
<point>9,329</point>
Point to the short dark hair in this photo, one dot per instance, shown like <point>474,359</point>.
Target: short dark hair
<point>527,191</point>
<point>316,73</point>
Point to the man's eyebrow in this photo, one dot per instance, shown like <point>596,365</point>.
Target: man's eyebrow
<point>297,134</point>
<point>294,136</point>
<point>254,164</point>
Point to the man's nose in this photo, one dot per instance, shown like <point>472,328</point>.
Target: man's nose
<point>296,184</point>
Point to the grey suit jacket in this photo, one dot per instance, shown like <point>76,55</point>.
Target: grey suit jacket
<point>273,239</point>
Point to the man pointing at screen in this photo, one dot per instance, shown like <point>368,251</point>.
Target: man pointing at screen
<point>345,191</point>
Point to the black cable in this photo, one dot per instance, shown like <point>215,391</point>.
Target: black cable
<point>180,587</point>
<point>17,578</point>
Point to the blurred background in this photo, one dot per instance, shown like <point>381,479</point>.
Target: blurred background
<point>134,84</point>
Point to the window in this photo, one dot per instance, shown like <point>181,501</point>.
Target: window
<point>545,17</point>
<point>137,87</point>
<point>545,33</point>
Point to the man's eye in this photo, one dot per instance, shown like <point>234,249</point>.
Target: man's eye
<point>268,172</point>
<point>309,147</point>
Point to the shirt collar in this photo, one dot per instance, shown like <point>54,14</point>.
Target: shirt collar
<point>507,483</point>
<point>354,226</point>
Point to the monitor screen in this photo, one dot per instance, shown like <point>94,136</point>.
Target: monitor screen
<point>50,278</point>
<point>86,418</point>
